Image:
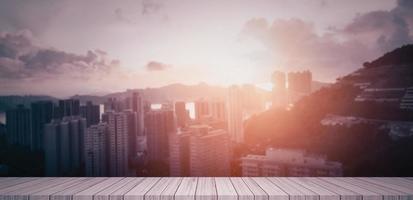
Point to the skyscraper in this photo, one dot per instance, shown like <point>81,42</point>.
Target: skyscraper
<point>199,150</point>
<point>217,110</point>
<point>63,146</point>
<point>91,113</point>
<point>235,114</point>
<point>118,142</point>
<point>137,107</point>
<point>179,153</point>
<point>96,157</point>
<point>42,113</point>
<point>278,80</point>
<point>69,107</point>
<point>201,109</point>
<point>300,82</point>
<point>18,126</point>
<point>182,115</point>
<point>209,152</point>
<point>159,124</point>
<point>279,90</point>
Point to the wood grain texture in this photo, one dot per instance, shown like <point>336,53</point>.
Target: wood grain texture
<point>244,193</point>
<point>225,189</point>
<point>206,188</point>
<point>138,192</point>
<point>187,189</point>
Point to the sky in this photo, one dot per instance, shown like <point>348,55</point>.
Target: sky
<point>66,47</point>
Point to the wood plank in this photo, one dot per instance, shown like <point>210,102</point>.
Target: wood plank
<point>119,193</point>
<point>345,194</point>
<point>138,192</point>
<point>169,192</point>
<point>116,191</point>
<point>88,193</point>
<point>367,194</point>
<point>24,185</point>
<point>293,193</point>
<point>244,193</point>
<point>23,193</point>
<point>14,182</point>
<point>156,191</point>
<point>379,182</point>
<point>206,189</point>
<point>273,191</point>
<point>44,194</point>
<point>187,189</point>
<point>7,179</point>
<point>68,193</point>
<point>225,189</point>
<point>387,193</point>
<point>323,193</point>
<point>394,181</point>
<point>257,191</point>
<point>308,194</point>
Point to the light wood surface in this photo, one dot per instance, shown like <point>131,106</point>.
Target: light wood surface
<point>206,188</point>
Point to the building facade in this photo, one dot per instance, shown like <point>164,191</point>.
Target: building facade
<point>235,114</point>
<point>96,155</point>
<point>18,126</point>
<point>284,162</point>
<point>63,146</point>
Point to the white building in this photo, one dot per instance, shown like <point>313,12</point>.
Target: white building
<point>96,150</point>
<point>235,114</point>
<point>284,162</point>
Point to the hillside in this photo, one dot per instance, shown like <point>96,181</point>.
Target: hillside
<point>365,149</point>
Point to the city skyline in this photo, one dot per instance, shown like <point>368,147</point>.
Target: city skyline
<point>188,88</point>
<point>151,43</point>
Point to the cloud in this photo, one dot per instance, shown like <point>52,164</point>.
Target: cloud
<point>151,7</point>
<point>30,67</point>
<point>21,59</point>
<point>296,44</point>
<point>156,66</point>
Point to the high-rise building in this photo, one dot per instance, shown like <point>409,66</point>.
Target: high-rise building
<point>252,100</point>
<point>201,109</point>
<point>18,126</point>
<point>285,162</point>
<point>209,152</point>
<point>179,153</point>
<point>199,150</point>
<point>91,113</point>
<point>182,114</point>
<point>217,110</point>
<point>118,147</point>
<point>63,146</point>
<point>96,156</point>
<point>300,82</point>
<point>279,90</point>
<point>159,124</point>
<point>69,107</point>
<point>113,104</point>
<point>278,80</point>
<point>235,114</point>
<point>42,113</point>
<point>137,107</point>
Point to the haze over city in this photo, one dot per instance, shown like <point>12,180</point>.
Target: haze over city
<point>58,47</point>
<point>191,88</point>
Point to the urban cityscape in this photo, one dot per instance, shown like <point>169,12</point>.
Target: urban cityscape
<point>323,98</point>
